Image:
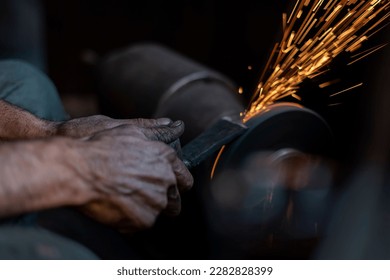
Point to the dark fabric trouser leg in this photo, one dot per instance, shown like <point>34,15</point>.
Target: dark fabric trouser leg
<point>29,243</point>
<point>21,238</point>
<point>26,87</point>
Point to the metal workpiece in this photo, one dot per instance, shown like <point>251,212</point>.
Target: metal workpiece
<point>210,141</point>
<point>149,80</point>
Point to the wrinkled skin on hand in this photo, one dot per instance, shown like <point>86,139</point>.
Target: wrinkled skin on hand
<point>120,172</point>
<point>87,126</point>
<point>135,176</point>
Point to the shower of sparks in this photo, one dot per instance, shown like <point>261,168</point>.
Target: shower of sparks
<point>314,33</point>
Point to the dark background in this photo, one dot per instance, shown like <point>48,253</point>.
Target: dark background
<point>225,36</point>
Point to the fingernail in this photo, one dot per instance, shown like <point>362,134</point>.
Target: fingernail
<point>176,124</point>
<point>164,121</point>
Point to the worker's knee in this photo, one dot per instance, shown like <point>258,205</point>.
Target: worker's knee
<point>27,87</point>
<point>24,243</point>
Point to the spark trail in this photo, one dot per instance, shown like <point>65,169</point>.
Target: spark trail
<point>314,33</point>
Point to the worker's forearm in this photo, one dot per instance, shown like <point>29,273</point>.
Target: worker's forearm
<point>41,174</point>
<point>16,123</point>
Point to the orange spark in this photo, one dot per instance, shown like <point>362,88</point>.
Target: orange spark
<point>314,33</point>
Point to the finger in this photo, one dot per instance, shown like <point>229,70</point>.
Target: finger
<point>122,130</point>
<point>176,145</point>
<point>184,178</point>
<point>166,134</point>
<point>149,122</point>
<point>174,202</point>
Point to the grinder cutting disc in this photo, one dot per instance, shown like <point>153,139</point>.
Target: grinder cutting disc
<point>283,125</point>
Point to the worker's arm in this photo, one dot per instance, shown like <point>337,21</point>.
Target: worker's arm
<point>16,124</point>
<point>41,174</point>
<point>119,177</point>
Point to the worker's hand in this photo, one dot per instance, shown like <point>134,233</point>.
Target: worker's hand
<point>87,126</point>
<point>134,176</point>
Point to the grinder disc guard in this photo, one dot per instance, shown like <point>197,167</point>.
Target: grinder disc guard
<point>283,125</point>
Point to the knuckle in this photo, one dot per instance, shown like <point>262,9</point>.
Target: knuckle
<point>103,117</point>
<point>97,119</point>
<point>163,203</point>
<point>162,149</point>
<point>128,130</point>
<point>147,220</point>
<point>166,178</point>
<point>138,121</point>
<point>143,122</point>
<point>189,181</point>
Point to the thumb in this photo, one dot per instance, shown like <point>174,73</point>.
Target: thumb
<point>165,133</point>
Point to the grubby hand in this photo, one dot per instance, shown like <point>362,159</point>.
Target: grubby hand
<point>88,126</point>
<point>134,175</point>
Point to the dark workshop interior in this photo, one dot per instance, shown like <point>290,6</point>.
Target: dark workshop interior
<point>227,37</point>
<point>234,38</point>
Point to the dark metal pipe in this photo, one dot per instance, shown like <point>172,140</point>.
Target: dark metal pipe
<point>150,80</point>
